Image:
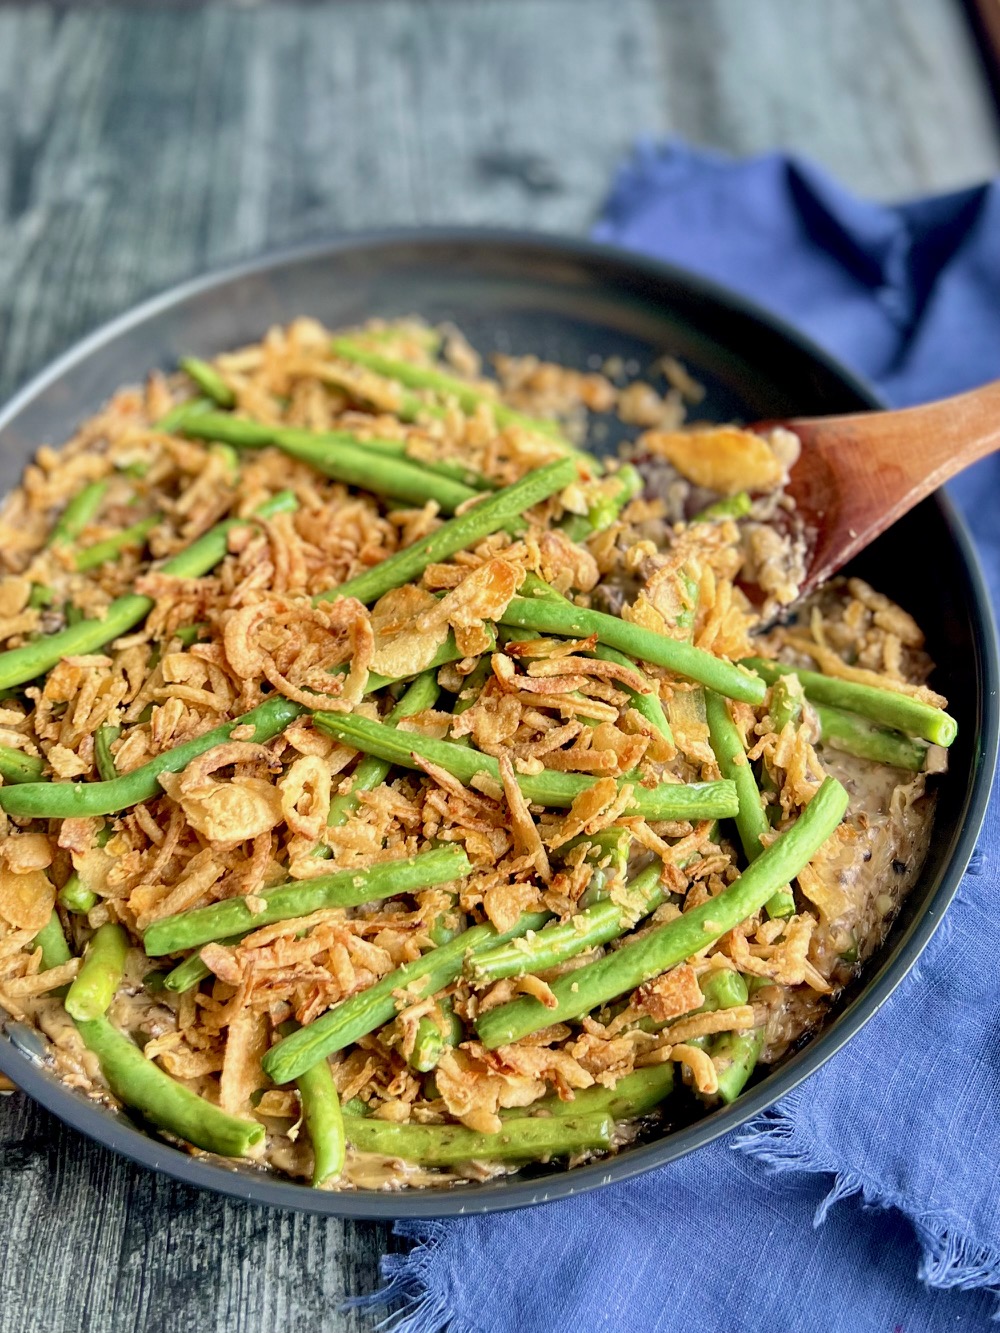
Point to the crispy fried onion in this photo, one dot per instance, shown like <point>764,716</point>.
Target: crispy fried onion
<point>296,646</point>
<point>484,594</point>
<point>230,811</point>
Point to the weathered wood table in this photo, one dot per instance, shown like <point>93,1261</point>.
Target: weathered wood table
<point>141,146</point>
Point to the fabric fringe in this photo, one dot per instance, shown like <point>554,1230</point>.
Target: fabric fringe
<point>949,1259</point>
<point>413,1284</point>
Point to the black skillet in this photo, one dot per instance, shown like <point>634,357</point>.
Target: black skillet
<point>575,303</point>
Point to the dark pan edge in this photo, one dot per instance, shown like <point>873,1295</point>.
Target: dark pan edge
<point>112,1131</point>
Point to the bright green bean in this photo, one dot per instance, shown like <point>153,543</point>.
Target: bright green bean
<point>856,735</point>
<point>339,455</point>
<point>527,1139</point>
<point>100,974</point>
<point>481,520</point>
<point>639,960</point>
<point>208,380</point>
<point>370,1009</point>
<point>669,800</point>
<point>468,396</point>
<point>435,1033</point>
<point>18,665</point>
<point>889,708</point>
<point>16,766</point>
<point>647,704</point>
<point>185,411</point>
<point>734,506</point>
<point>139,1083</point>
<point>324,1118</point>
<point>559,941</point>
<point>193,971</point>
<point>76,897</point>
<point>552,616</point>
<point>632,1096</point>
<point>345,888</point>
<point>91,557</point>
<point>104,760</point>
<point>52,942</point>
<point>751,820</point>
<point>81,510</point>
<point>625,485</point>
<point>66,800</point>
<point>370,772</point>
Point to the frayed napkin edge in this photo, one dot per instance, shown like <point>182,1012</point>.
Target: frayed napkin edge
<point>423,1304</point>
<point>949,1258</point>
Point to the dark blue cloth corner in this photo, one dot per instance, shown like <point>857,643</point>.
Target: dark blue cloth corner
<point>868,1200</point>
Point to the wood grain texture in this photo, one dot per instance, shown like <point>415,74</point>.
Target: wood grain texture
<point>141,146</point>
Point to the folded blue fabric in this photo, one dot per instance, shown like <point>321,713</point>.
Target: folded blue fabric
<point>901,1130</point>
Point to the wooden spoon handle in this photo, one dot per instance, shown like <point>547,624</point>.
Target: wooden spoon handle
<point>858,474</point>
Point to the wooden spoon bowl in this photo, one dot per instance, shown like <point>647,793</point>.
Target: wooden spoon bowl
<point>858,474</point>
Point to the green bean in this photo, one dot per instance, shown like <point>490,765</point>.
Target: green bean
<point>52,942</point>
<point>100,974</point>
<point>472,687</point>
<point>785,703</point>
<point>18,665</point>
<point>669,800</point>
<point>559,941</point>
<point>468,396</point>
<point>41,596</point>
<point>190,634</point>
<point>482,520</point>
<point>339,455</point>
<point>76,897</point>
<point>722,988</point>
<point>323,1116</point>
<point>139,1083</point>
<point>647,704</point>
<point>435,1033</point>
<point>617,490</point>
<point>889,708</point>
<point>527,1139</point>
<point>345,888</point>
<point>16,766</point>
<point>784,707</point>
<point>751,821</point>
<point>185,411</point>
<point>735,1054</point>
<point>66,800</point>
<point>447,923</point>
<point>193,971</point>
<point>104,761</point>
<point>561,617</point>
<point>371,771</point>
<point>634,1095</point>
<point>608,853</point>
<point>727,744</point>
<point>639,960</point>
<point>370,1009</point>
<point>90,557</point>
<point>81,510</point>
<point>856,735</point>
<point>208,380</point>
<point>733,506</point>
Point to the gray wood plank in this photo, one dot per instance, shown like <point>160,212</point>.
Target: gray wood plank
<point>91,1244</point>
<point>140,146</point>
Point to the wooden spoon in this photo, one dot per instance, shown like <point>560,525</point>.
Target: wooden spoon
<point>858,474</point>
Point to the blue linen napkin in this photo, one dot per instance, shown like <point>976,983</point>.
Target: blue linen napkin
<point>901,1130</point>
